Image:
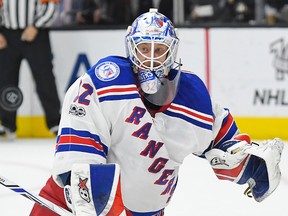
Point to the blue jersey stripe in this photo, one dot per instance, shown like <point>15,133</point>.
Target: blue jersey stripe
<point>79,148</point>
<point>192,121</point>
<point>118,97</point>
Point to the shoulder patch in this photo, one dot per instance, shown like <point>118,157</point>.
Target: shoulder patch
<point>107,71</point>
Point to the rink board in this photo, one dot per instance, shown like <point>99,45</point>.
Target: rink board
<point>248,75</point>
<point>257,128</point>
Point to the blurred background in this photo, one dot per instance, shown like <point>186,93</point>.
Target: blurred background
<point>182,12</point>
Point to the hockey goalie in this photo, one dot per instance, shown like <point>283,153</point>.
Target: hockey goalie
<point>129,122</point>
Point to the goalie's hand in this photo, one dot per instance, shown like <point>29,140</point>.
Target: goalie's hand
<point>270,152</point>
<point>252,163</point>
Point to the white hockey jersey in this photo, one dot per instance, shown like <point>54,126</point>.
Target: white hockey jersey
<point>105,121</point>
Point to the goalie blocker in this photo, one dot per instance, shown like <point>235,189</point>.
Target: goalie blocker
<point>93,189</point>
<point>242,161</point>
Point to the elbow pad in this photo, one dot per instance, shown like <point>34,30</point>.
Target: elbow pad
<point>255,164</point>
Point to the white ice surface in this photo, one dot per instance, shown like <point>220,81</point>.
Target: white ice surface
<point>28,162</point>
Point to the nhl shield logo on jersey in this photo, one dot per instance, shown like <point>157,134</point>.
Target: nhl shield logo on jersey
<point>107,71</point>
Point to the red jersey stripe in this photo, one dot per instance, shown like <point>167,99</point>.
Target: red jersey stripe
<point>224,129</point>
<point>80,140</point>
<point>189,112</point>
<point>105,91</point>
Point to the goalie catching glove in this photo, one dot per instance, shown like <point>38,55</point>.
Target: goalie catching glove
<point>95,190</point>
<point>244,162</point>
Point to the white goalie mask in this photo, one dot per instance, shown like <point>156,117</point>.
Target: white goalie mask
<point>154,30</point>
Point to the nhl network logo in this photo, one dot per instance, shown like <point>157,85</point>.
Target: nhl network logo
<point>280,61</point>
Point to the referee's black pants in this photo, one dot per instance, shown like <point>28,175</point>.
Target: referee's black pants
<point>39,56</point>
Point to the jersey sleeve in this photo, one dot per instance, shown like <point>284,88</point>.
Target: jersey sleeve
<point>83,135</point>
<point>46,13</point>
<point>224,127</point>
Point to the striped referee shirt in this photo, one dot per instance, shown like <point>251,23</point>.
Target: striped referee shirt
<point>18,14</point>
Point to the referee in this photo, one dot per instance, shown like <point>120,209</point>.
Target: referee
<point>24,34</point>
